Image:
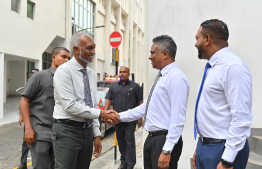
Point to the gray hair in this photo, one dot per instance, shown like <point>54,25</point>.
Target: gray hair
<point>75,40</point>
<point>166,43</point>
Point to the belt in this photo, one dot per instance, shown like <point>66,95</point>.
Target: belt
<point>72,123</point>
<point>211,140</point>
<point>156,133</point>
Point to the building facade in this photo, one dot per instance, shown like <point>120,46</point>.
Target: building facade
<point>30,29</point>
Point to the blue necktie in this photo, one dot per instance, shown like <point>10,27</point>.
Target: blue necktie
<point>88,98</point>
<point>198,97</point>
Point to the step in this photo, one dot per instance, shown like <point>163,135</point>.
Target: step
<point>256,131</point>
<point>255,143</point>
<point>254,161</point>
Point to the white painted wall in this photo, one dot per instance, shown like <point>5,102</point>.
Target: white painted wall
<point>181,20</point>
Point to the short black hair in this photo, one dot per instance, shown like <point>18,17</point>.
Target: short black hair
<point>166,42</point>
<point>216,28</point>
<point>56,50</point>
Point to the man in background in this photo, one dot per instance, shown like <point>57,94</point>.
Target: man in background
<point>125,95</point>
<point>37,104</point>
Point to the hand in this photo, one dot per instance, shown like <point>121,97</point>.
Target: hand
<point>109,116</point>
<point>98,146</point>
<point>29,136</point>
<point>163,161</point>
<point>21,119</point>
<point>220,166</point>
<point>194,160</point>
<point>139,123</point>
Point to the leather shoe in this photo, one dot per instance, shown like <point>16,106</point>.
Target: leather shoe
<point>123,166</point>
<point>130,167</point>
<point>22,166</point>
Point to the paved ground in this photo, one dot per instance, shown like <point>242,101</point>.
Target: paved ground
<point>11,141</point>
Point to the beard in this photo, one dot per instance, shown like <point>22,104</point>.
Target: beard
<point>200,52</point>
<point>86,61</point>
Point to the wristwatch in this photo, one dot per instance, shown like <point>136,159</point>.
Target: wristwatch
<point>226,164</point>
<point>166,152</point>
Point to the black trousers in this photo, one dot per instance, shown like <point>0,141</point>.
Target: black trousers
<point>25,150</point>
<point>73,146</point>
<point>126,141</point>
<point>153,148</point>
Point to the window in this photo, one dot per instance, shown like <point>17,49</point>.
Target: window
<point>46,60</point>
<point>30,66</point>
<point>15,5</point>
<point>30,9</point>
<point>83,17</point>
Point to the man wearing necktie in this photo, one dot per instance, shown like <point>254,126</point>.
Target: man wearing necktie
<point>223,107</point>
<point>164,110</point>
<point>76,114</point>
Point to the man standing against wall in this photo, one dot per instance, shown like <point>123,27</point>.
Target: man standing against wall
<point>125,95</point>
<point>223,108</point>
<point>37,104</point>
<point>76,125</point>
<point>164,109</point>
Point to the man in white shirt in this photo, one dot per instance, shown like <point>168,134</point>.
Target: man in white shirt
<point>223,109</point>
<point>164,109</point>
<point>76,114</point>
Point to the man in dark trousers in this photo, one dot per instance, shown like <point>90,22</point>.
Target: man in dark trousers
<point>125,95</point>
<point>37,104</point>
<point>164,110</point>
<point>25,148</point>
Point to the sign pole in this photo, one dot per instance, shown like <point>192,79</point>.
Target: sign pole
<point>115,156</point>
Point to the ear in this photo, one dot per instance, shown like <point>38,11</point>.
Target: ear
<point>53,58</point>
<point>207,39</point>
<point>75,49</point>
<point>165,54</point>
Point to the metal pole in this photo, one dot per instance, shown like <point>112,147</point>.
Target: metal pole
<point>116,81</point>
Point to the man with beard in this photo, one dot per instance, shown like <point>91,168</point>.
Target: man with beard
<point>37,105</point>
<point>125,95</point>
<point>164,110</point>
<point>223,106</point>
<point>76,125</point>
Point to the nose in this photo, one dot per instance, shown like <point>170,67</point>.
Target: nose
<point>150,57</point>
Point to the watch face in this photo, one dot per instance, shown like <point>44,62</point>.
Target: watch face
<point>226,164</point>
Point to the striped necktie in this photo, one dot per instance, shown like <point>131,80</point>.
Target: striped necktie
<point>198,97</point>
<point>150,94</point>
<point>88,98</point>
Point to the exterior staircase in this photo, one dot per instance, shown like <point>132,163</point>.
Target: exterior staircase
<point>255,144</point>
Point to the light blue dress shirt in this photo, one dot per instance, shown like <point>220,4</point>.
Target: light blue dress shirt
<point>224,108</point>
<point>167,107</point>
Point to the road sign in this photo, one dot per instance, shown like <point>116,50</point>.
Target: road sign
<point>115,39</point>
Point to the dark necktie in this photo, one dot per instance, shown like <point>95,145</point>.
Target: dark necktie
<point>88,98</point>
<point>150,94</point>
<point>198,97</point>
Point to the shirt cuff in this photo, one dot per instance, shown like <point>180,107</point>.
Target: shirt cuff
<point>96,132</point>
<point>124,116</point>
<point>95,113</point>
<point>229,155</point>
<point>168,146</point>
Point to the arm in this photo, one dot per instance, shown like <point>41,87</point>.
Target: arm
<point>238,92</point>
<point>107,105</point>
<point>29,132</point>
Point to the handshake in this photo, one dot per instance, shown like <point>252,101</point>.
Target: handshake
<point>110,117</point>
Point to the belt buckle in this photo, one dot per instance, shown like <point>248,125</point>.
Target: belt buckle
<point>84,126</point>
<point>150,134</point>
<point>202,138</point>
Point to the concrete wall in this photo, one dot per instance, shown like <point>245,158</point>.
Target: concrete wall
<point>181,20</point>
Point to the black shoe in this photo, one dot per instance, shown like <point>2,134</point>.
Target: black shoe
<point>122,166</point>
<point>22,166</point>
<point>130,167</point>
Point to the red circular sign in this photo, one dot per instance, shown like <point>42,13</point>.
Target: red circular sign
<point>115,39</point>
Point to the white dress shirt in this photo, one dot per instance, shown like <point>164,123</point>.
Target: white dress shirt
<point>224,108</point>
<point>69,94</point>
<point>167,107</point>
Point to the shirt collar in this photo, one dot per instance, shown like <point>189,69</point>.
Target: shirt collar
<point>128,81</point>
<point>76,64</point>
<point>52,70</point>
<point>212,61</point>
<point>168,68</point>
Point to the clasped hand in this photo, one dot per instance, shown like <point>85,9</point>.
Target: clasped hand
<point>111,117</point>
